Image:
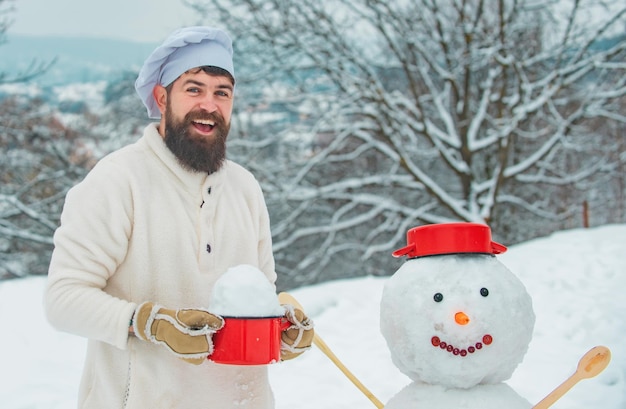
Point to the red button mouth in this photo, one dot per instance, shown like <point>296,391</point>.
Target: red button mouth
<point>486,340</point>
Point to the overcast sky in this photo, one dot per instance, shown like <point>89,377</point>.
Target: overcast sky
<point>149,20</point>
<point>139,20</point>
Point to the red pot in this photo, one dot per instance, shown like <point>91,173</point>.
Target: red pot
<point>248,340</point>
<point>449,238</point>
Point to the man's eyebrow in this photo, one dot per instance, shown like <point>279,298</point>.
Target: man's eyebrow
<point>194,82</point>
<point>225,86</point>
<point>202,84</point>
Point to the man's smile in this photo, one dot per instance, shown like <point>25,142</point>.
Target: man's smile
<point>204,125</point>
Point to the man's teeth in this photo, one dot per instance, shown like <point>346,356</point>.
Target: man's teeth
<point>205,122</point>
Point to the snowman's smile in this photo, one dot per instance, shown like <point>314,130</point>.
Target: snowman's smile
<point>437,342</point>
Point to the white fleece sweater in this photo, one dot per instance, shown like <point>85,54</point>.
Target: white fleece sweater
<point>141,228</point>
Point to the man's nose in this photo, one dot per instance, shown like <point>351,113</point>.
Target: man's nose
<point>208,104</point>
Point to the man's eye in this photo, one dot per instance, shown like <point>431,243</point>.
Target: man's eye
<point>193,90</point>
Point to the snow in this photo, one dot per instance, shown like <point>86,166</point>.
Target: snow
<point>575,279</point>
<point>27,90</point>
<point>244,291</point>
<point>91,93</point>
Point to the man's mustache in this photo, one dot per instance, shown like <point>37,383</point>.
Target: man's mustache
<point>203,115</point>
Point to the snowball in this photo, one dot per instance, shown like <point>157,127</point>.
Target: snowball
<point>244,291</point>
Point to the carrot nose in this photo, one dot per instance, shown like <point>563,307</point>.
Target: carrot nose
<point>461,318</point>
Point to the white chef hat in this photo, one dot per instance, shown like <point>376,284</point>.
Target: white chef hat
<point>184,49</point>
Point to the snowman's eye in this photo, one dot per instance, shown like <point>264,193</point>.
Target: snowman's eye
<point>484,292</point>
<point>438,297</point>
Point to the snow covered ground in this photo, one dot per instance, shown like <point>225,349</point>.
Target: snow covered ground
<point>576,279</point>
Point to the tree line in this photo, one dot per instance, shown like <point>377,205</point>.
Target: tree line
<point>364,118</point>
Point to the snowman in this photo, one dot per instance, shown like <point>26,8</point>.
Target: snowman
<point>457,322</point>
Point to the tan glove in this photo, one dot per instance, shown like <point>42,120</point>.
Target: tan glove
<point>298,337</point>
<point>187,333</point>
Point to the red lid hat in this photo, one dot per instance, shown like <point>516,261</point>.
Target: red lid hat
<point>449,238</point>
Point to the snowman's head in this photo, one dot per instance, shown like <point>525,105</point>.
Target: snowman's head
<point>456,320</point>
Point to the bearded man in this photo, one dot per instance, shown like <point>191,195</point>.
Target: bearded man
<point>144,237</point>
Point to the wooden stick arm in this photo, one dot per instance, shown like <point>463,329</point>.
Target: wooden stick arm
<point>327,351</point>
<point>286,298</point>
<point>590,365</point>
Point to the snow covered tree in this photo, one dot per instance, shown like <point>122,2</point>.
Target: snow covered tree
<point>40,160</point>
<point>421,111</point>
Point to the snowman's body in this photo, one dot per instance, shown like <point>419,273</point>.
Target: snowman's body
<point>492,396</point>
<point>458,326</point>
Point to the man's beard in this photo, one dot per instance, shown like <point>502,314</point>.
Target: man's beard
<point>194,152</point>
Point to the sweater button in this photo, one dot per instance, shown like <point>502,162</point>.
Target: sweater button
<point>208,248</point>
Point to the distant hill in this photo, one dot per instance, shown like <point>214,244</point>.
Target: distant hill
<point>77,59</point>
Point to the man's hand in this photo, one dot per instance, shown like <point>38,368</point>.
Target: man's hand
<point>298,337</point>
<point>187,333</point>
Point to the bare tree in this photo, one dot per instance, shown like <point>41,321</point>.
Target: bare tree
<point>40,159</point>
<point>427,111</point>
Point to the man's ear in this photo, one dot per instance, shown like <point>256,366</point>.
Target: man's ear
<point>159,93</point>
